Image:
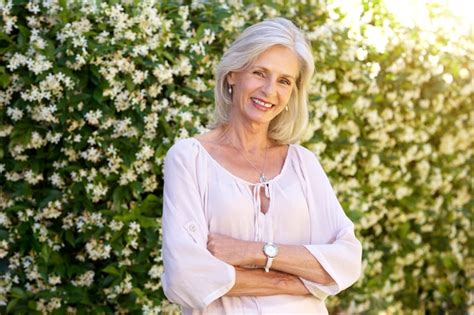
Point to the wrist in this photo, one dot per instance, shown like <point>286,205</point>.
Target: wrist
<point>255,254</point>
<point>270,251</point>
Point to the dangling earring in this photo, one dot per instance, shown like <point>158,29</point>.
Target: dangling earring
<point>230,90</point>
<point>286,108</point>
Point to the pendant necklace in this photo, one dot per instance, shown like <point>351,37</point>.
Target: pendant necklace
<point>262,179</point>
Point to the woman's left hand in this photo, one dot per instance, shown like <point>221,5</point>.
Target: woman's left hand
<point>232,251</point>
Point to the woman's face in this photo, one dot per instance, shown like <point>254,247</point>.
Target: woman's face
<point>263,90</point>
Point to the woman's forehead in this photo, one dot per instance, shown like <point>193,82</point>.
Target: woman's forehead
<point>280,59</point>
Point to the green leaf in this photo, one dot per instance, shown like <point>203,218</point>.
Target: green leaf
<point>110,269</point>
<point>70,237</point>
<point>151,205</point>
<point>148,222</point>
<point>138,292</point>
<point>11,305</point>
<point>32,305</point>
<point>45,252</point>
<point>18,293</point>
<point>4,80</point>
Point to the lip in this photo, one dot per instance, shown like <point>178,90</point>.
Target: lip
<point>259,106</point>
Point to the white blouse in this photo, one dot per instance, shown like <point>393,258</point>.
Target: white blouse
<point>202,197</point>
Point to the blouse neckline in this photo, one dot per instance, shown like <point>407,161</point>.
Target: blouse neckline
<point>240,178</point>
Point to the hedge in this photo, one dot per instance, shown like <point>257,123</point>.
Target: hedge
<point>93,94</point>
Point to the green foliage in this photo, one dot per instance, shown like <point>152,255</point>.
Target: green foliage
<point>92,97</point>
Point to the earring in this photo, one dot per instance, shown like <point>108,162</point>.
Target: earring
<point>286,108</point>
<point>230,89</point>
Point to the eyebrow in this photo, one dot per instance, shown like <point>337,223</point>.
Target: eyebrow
<point>284,74</point>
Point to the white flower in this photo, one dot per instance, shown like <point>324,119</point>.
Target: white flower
<point>376,38</point>
<point>115,225</point>
<point>183,12</point>
<point>36,40</point>
<point>184,100</point>
<point>361,53</point>
<point>134,228</point>
<point>163,73</point>
<point>184,67</point>
<point>6,130</point>
<point>15,113</point>
<point>16,61</point>
<point>151,309</point>
<point>98,191</point>
<point>97,250</point>
<point>44,113</point>
<point>127,177</point>
<point>51,211</point>
<point>4,220</point>
<point>155,271</point>
<point>54,280</point>
<point>209,36</point>
<point>183,44</point>
<point>150,184</point>
<point>102,37</point>
<point>346,86</point>
<point>374,70</point>
<point>39,64</point>
<point>92,117</point>
<point>68,221</point>
<point>32,178</point>
<point>139,76</point>
<point>328,76</point>
<point>198,48</point>
<point>361,103</point>
<point>53,137</point>
<point>33,7</point>
<point>36,141</point>
<point>84,280</point>
<point>92,154</point>
<point>145,153</point>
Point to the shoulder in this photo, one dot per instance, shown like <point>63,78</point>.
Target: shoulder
<point>183,149</point>
<point>182,145</point>
<point>304,153</point>
<point>308,160</point>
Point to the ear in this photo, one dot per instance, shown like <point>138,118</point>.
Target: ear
<point>230,78</point>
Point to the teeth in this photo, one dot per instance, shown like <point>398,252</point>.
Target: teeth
<point>259,102</point>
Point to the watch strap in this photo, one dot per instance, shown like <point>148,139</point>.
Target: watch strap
<point>268,264</point>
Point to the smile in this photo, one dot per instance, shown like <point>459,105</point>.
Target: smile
<point>261,103</point>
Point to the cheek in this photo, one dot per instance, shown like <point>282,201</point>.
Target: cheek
<point>249,83</point>
<point>286,95</point>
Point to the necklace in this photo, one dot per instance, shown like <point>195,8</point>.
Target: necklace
<point>262,179</point>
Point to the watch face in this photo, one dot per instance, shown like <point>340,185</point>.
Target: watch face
<point>270,250</point>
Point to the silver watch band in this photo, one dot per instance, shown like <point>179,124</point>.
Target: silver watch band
<point>268,264</point>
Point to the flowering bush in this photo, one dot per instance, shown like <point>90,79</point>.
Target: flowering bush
<point>91,98</point>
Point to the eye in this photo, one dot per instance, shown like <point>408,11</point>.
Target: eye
<point>259,73</point>
<point>285,81</point>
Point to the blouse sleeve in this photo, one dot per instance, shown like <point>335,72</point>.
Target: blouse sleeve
<point>333,242</point>
<point>192,276</point>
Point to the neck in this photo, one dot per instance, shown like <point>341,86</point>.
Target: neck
<point>251,138</point>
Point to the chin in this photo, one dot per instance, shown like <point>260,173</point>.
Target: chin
<point>259,119</point>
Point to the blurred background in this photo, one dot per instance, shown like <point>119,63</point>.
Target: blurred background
<point>93,93</point>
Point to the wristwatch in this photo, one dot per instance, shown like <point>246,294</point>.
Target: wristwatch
<point>270,250</point>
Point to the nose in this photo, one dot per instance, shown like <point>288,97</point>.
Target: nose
<point>270,87</point>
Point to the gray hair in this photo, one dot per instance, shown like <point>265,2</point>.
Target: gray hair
<point>289,126</point>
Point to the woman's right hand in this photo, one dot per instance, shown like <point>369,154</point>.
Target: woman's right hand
<point>257,282</point>
<point>235,252</point>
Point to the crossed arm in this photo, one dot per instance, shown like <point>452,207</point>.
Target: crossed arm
<point>291,263</point>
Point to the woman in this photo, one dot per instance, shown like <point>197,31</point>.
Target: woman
<point>251,223</point>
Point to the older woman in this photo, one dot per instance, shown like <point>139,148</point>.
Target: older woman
<point>251,223</point>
